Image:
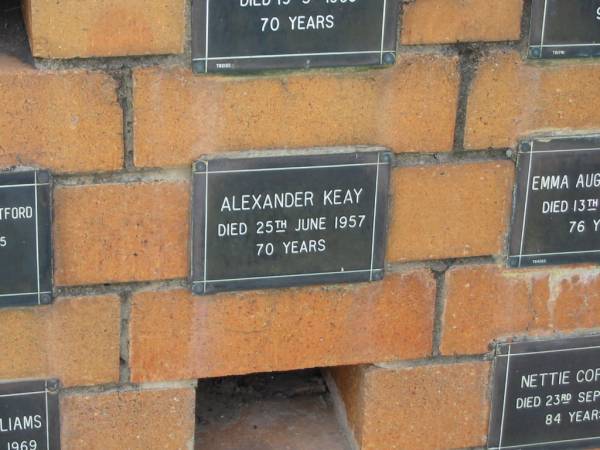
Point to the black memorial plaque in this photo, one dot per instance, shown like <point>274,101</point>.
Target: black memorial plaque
<point>546,395</point>
<point>557,205</point>
<point>565,29</point>
<point>232,35</point>
<point>29,417</point>
<point>25,244</point>
<point>290,220</point>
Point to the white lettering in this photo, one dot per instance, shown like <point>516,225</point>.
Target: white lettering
<point>318,22</point>
<point>549,182</point>
<point>251,202</point>
<point>301,247</point>
<point>589,180</point>
<point>556,206</point>
<point>337,197</point>
<point>16,213</point>
<point>588,376</point>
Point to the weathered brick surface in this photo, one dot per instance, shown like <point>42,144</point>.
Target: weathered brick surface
<point>487,302</point>
<point>132,420</point>
<point>449,211</point>
<point>511,98</point>
<point>426,407</point>
<point>76,340</point>
<point>86,28</point>
<point>121,232</point>
<point>408,107</point>
<point>66,121</point>
<point>176,336</point>
<point>448,21</point>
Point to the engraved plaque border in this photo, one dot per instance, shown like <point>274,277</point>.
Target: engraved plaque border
<point>202,169</point>
<point>50,390</point>
<point>385,55</point>
<point>504,352</point>
<point>41,181</point>
<point>538,147</point>
<point>539,50</point>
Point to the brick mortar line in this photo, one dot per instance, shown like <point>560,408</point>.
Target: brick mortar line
<point>187,44</point>
<point>120,288</point>
<point>183,283</point>
<point>439,309</point>
<point>407,159</point>
<point>124,340</point>
<point>468,65</point>
<point>522,336</point>
<point>442,360</point>
<point>184,60</point>
<point>442,265</point>
<point>128,387</point>
<point>124,177</point>
<point>125,95</point>
<point>454,48</point>
<point>525,24</point>
<point>410,159</point>
<point>437,265</point>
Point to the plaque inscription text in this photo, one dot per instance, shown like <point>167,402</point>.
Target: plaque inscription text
<point>29,416</point>
<point>25,278</point>
<point>546,395</point>
<point>291,220</point>
<point>557,204</point>
<point>230,35</point>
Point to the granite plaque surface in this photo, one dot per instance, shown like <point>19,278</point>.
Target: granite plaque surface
<point>29,418</point>
<point>289,220</point>
<point>557,204</point>
<point>565,29</point>
<point>546,395</point>
<point>232,35</point>
<point>25,243</point>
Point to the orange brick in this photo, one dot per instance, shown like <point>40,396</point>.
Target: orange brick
<point>132,420</point>
<point>177,336</point>
<point>448,21</point>
<point>66,121</point>
<point>426,407</point>
<point>86,28</point>
<point>76,340</point>
<point>121,232</point>
<point>512,98</point>
<point>487,302</point>
<point>410,107</point>
<point>450,211</point>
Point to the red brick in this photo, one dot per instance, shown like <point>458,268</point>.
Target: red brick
<point>76,340</point>
<point>86,28</point>
<point>450,211</point>
<point>512,98</point>
<point>174,335</point>
<point>426,407</point>
<point>67,121</point>
<point>410,107</point>
<point>121,232</point>
<point>448,21</point>
<point>487,302</point>
<point>132,420</point>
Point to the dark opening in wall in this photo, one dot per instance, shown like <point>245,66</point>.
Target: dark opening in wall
<point>267,411</point>
<point>13,34</point>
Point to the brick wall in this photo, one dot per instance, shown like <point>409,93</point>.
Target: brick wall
<point>112,109</point>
